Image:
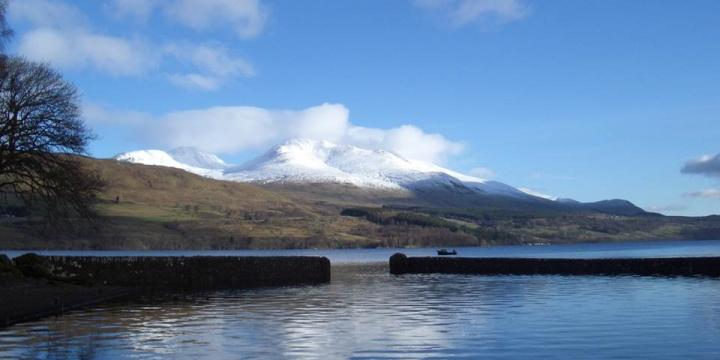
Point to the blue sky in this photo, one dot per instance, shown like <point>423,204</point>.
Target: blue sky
<point>581,99</point>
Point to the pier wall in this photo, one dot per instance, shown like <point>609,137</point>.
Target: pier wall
<point>191,273</point>
<point>685,266</point>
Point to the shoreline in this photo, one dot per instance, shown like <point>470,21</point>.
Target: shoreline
<point>8,251</point>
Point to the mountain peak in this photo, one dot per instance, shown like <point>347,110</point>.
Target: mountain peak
<point>162,158</point>
<point>194,157</point>
<point>302,160</point>
<point>307,161</point>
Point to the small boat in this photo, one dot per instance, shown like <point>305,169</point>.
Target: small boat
<point>446,252</point>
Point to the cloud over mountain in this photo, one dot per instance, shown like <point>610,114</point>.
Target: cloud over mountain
<point>237,128</point>
<point>233,129</point>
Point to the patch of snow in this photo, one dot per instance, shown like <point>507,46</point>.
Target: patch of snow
<point>162,158</point>
<point>538,194</point>
<point>196,158</point>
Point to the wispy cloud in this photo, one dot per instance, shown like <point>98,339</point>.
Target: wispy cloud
<point>708,165</point>
<point>62,35</point>
<point>194,81</point>
<point>68,41</point>
<point>85,49</point>
<point>706,194</point>
<point>247,18</point>
<point>233,129</point>
<point>464,12</point>
<point>214,63</point>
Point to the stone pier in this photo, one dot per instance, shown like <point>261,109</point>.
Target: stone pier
<point>679,266</point>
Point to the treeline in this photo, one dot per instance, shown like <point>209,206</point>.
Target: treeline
<point>502,227</point>
<point>392,218</point>
<point>384,217</point>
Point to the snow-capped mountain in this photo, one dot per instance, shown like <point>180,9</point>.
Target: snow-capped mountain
<point>162,158</point>
<point>196,158</point>
<point>312,161</point>
<point>303,161</point>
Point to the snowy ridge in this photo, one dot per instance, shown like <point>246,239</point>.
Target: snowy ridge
<point>162,158</point>
<point>195,158</point>
<point>312,161</point>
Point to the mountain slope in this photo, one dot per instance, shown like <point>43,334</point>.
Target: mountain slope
<point>298,163</point>
<point>310,161</point>
<point>158,207</point>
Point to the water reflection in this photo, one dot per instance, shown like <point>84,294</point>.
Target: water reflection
<point>367,313</point>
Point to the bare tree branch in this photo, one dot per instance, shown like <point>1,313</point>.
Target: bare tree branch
<point>41,139</point>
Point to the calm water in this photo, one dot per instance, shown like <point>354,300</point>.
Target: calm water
<point>367,313</point>
<point>361,256</point>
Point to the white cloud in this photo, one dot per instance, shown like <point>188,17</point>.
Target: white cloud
<point>407,140</point>
<point>246,17</point>
<point>80,48</point>
<point>482,172</point>
<point>233,129</point>
<point>706,193</point>
<point>61,36</point>
<point>464,12</point>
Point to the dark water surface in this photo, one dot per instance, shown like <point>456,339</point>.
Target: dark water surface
<point>367,313</point>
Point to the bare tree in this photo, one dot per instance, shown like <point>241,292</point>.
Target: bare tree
<point>41,138</point>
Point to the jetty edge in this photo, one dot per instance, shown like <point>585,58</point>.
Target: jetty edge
<point>192,272</point>
<point>34,286</point>
<point>674,266</point>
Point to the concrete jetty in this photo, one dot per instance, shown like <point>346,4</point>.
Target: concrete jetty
<point>679,266</point>
<point>33,286</point>
<point>193,272</point>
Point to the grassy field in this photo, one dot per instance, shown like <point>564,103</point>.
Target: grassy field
<point>150,207</point>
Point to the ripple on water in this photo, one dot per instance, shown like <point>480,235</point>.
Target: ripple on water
<point>367,313</point>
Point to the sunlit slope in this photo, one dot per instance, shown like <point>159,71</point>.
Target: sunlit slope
<point>158,207</point>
